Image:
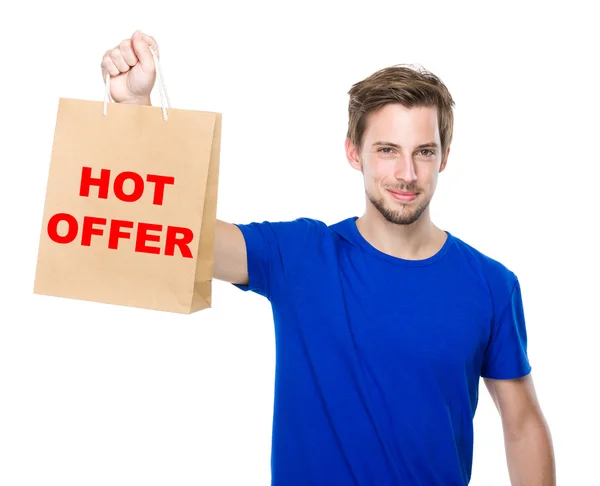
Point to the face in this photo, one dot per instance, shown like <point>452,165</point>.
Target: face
<point>400,159</point>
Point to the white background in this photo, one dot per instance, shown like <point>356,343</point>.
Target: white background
<point>95,394</point>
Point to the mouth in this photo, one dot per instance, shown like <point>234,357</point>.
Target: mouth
<point>404,196</point>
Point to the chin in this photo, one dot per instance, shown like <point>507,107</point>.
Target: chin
<point>398,212</point>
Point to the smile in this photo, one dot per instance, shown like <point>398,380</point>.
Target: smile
<point>404,196</point>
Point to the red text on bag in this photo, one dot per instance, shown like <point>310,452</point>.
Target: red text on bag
<point>144,233</point>
<point>103,183</point>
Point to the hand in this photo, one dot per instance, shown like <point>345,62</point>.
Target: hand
<point>131,68</point>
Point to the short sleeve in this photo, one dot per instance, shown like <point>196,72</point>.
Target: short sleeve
<point>262,246</point>
<point>506,355</point>
<point>272,248</point>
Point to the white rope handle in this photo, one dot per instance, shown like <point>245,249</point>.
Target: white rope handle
<point>164,99</point>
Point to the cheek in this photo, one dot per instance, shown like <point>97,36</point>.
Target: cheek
<point>378,170</point>
<point>432,175</point>
<point>429,181</point>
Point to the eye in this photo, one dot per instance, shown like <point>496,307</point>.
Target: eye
<point>385,149</point>
<point>429,153</point>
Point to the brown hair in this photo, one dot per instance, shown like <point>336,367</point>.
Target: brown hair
<point>402,84</point>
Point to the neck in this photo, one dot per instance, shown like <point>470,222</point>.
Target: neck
<point>416,241</point>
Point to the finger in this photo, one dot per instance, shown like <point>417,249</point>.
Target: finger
<point>127,53</point>
<point>142,44</point>
<point>151,41</point>
<point>117,58</point>
<point>109,66</point>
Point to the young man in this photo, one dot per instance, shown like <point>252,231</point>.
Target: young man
<point>384,323</point>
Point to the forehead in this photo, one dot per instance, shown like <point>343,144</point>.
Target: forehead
<point>397,123</point>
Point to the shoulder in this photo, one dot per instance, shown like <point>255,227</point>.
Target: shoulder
<point>298,230</point>
<point>495,276</point>
<point>286,238</point>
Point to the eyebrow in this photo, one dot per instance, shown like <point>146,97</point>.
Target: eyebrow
<point>395,145</point>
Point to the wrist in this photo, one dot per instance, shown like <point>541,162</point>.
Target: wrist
<point>138,101</point>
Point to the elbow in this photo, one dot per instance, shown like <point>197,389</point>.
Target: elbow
<point>531,424</point>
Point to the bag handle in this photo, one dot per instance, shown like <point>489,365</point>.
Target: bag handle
<point>164,99</point>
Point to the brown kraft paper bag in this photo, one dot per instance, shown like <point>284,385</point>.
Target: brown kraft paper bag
<point>130,210</point>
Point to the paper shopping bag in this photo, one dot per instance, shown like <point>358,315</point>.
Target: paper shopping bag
<point>130,210</point>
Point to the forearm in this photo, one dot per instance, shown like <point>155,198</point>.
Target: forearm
<point>530,455</point>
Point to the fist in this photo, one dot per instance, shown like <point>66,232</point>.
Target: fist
<point>131,68</point>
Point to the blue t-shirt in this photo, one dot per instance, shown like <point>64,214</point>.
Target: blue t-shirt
<point>378,358</point>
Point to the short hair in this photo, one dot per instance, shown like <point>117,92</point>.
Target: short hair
<point>405,84</point>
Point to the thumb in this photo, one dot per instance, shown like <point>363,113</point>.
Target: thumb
<point>142,44</point>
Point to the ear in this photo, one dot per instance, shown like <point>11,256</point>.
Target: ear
<point>445,159</point>
<point>352,155</point>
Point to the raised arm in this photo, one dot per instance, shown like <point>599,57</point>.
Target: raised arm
<point>131,67</point>
<point>230,262</point>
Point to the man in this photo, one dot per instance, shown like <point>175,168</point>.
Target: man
<point>384,323</point>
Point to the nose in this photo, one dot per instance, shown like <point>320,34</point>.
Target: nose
<point>405,169</point>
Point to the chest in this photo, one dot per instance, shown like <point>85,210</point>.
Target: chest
<point>433,318</point>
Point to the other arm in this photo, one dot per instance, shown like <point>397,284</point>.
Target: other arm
<point>527,438</point>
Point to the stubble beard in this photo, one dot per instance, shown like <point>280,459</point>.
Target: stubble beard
<point>402,216</point>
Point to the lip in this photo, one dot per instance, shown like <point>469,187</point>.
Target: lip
<point>404,196</point>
